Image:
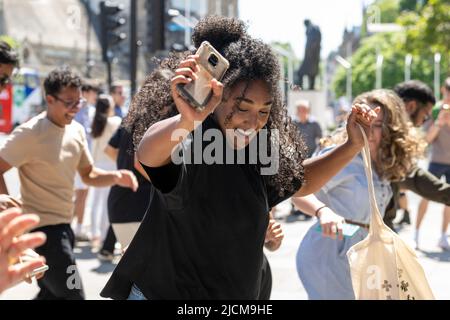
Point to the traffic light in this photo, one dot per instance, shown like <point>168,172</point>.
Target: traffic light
<point>110,22</point>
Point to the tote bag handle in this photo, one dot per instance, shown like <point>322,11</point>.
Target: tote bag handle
<point>376,221</point>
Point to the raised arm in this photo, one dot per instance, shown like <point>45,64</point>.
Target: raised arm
<point>158,143</point>
<point>321,169</point>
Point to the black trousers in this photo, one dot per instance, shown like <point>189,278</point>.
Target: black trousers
<point>110,241</point>
<point>62,280</point>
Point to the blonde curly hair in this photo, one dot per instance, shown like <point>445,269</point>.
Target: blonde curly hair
<point>401,144</point>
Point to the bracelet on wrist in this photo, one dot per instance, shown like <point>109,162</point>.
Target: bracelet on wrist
<point>318,210</point>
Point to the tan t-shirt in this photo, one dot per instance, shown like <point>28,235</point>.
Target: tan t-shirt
<point>47,157</point>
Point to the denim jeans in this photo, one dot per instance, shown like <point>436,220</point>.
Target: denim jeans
<point>136,294</point>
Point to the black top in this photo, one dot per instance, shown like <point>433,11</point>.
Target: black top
<point>124,205</point>
<point>205,234</point>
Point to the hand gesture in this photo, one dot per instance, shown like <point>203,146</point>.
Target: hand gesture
<point>186,73</point>
<point>274,235</point>
<point>331,223</point>
<point>13,242</point>
<point>363,115</point>
<point>126,179</point>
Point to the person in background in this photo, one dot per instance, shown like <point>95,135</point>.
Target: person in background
<point>119,99</point>
<point>311,133</point>
<point>322,263</point>
<point>274,238</point>
<point>104,124</point>
<point>90,92</point>
<point>438,135</point>
<point>9,59</point>
<point>55,149</point>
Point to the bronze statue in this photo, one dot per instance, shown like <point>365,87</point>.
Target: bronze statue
<point>310,65</point>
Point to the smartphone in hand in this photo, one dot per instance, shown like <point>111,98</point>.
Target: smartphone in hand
<point>348,230</point>
<point>212,65</point>
<point>39,270</point>
<point>29,255</point>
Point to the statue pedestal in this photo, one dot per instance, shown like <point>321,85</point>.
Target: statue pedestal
<point>318,102</point>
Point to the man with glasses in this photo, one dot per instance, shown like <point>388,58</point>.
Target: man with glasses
<point>12,223</point>
<point>419,100</point>
<point>47,151</point>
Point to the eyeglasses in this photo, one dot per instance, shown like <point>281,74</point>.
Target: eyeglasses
<point>4,80</point>
<point>71,105</point>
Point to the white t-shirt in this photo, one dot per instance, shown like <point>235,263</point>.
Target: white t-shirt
<point>99,144</point>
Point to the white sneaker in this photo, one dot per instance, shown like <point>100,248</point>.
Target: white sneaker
<point>443,244</point>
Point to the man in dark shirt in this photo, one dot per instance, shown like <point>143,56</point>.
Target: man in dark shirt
<point>310,132</point>
<point>419,100</point>
<point>309,129</point>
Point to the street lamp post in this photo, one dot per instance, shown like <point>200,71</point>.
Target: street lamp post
<point>437,74</point>
<point>88,41</point>
<point>379,72</point>
<point>290,66</point>
<point>187,30</point>
<point>408,61</point>
<point>348,67</point>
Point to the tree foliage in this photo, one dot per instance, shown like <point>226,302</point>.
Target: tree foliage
<point>426,32</point>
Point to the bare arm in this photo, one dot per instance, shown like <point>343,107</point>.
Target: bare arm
<point>111,152</point>
<point>308,204</point>
<point>157,144</point>
<point>140,169</point>
<point>96,177</point>
<point>441,121</point>
<point>433,133</point>
<point>331,222</point>
<point>4,167</point>
<point>274,234</point>
<point>321,169</point>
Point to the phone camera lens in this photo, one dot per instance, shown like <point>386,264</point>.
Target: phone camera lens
<point>213,60</point>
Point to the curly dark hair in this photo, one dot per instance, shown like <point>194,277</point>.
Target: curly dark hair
<point>415,90</point>
<point>60,78</point>
<point>250,59</point>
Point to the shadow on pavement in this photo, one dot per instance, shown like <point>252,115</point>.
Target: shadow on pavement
<point>105,267</point>
<point>84,252</point>
<point>442,256</point>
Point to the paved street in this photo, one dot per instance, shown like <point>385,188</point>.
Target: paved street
<point>286,284</point>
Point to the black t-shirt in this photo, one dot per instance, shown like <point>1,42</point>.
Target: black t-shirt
<point>205,234</point>
<point>124,205</point>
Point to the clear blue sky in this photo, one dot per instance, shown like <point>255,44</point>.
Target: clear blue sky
<point>282,20</point>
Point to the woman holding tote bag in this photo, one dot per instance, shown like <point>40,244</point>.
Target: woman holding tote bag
<point>322,262</point>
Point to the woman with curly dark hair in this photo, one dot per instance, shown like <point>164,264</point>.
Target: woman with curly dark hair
<point>394,145</point>
<point>203,235</point>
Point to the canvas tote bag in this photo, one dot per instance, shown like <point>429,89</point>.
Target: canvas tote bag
<point>383,266</point>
